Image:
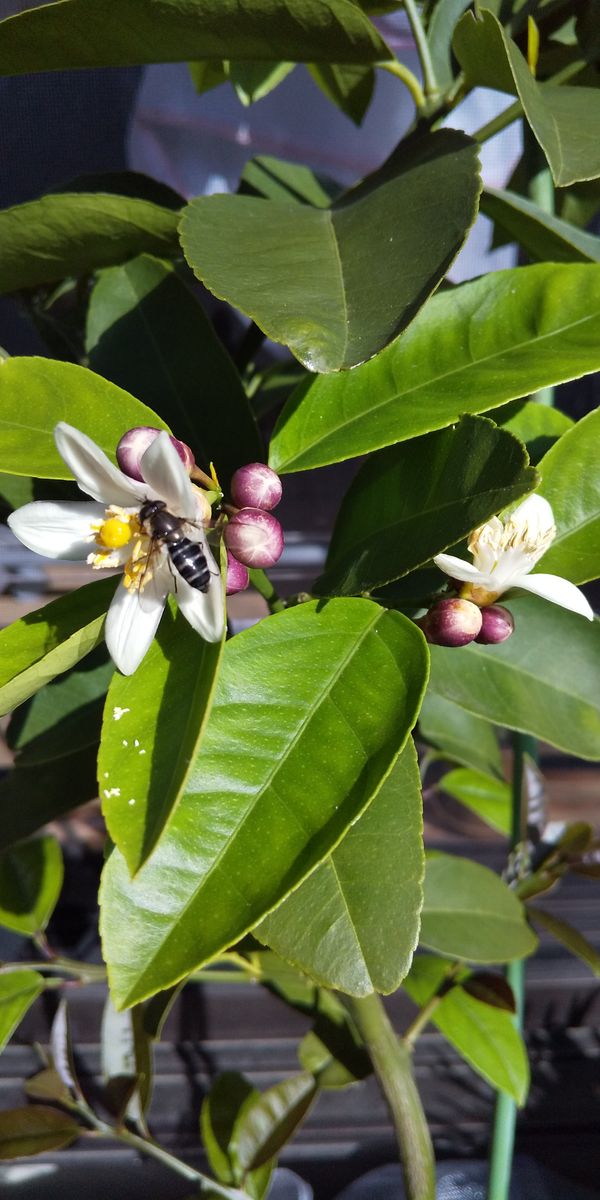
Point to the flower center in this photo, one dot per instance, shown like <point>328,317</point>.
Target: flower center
<point>114,533</point>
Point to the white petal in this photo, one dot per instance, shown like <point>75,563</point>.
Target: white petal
<point>130,628</point>
<point>457,568</point>
<point>60,530</point>
<point>93,471</point>
<point>167,477</point>
<point>205,611</point>
<point>535,512</point>
<point>559,591</point>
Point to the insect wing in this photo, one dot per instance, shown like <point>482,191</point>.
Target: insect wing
<point>156,580</point>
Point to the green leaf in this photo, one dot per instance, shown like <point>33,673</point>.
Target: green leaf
<point>47,1085</point>
<point>75,33</point>
<point>278,179</point>
<point>206,75</point>
<point>220,1109</point>
<point>537,425</point>
<point>152,730</point>
<point>254,80</point>
<point>541,234</point>
<point>415,499</point>
<point>44,643</point>
<point>66,715</point>
<point>126,1057</point>
<point>563,119</point>
<point>60,391</point>
<point>71,233</point>
<point>567,936</point>
<point>354,923</point>
<point>31,877</point>
<point>332,1049</point>
<point>459,735</point>
<point>267,1121</point>
<point>297,743</point>
<point>571,482</point>
<point>349,87</point>
<point>439,36</point>
<point>486,796</point>
<point>147,333</point>
<point>484,1035</point>
<point>470,349</point>
<point>27,1131</point>
<point>32,796</point>
<point>528,683</point>
<point>469,913</point>
<point>337,284</point>
<point>18,990</point>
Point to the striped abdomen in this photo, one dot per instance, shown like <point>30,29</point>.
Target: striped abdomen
<point>190,561</point>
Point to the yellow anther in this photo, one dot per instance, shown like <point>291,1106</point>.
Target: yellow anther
<point>114,533</point>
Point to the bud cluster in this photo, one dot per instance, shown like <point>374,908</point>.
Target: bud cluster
<point>456,622</point>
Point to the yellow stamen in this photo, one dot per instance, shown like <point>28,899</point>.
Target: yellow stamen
<point>114,533</point>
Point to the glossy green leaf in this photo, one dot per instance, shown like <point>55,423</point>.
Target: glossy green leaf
<point>147,333</point>
<point>65,716</point>
<point>439,36</point>
<point>31,877</point>
<point>253,81</point>
<point>484,1035</point>
<point>218,1114</point>
<point>32,796</point>
<point>567,936</point>
<point>349,87</point>
<point>537,425</point>
<point>459,735</point>
<point>354,923</point>
<point>60,391</point>
<point>485,795</point>
<point>152,730</point>
<point>18,990</point>
<point>528,683</point>
<point>76,33</point>
<point>413,500</point>
<point>267,1121</point>
<point>469,350</point>
<point>541,234</point>
<point>563,119</point>
<point>337,284</point>
<point>71,233</point>
<point>456,892</point>
<point>297,743</point>
<point>571,482</point>
<point>50,640</point>
<point>32,1130</point>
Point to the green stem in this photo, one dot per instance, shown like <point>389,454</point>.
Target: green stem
<point>425,1014</point>
<point>393,1066</point>
<point>430,83</point>
<point>263,585</point>
<point>411,82</point>
<point>541,190</point>
<point>87,972</point>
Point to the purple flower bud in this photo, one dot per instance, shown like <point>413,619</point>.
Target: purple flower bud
<point>254,537</point>
<point>136,441</point>
<point>496,625</point>
<point>452,622</point>
<point>237,575</point>
<point>256,486</point>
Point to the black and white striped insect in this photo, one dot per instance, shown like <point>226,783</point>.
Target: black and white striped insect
<point>185,555</point>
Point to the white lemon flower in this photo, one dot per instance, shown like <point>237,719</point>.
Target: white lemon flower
<point>504,554</point>
<point>106,532</point>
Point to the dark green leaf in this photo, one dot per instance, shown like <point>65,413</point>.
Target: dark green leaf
<point>18,990</point>
<point>47,1085</point>
<point>297,743</point>
<point>60,391</point>
<point>491,988</point>
<point>354,923</point>
<point>278,179</point>
<point>147,333</point>
<point>567,936</point>
<point>32,796</point>
<point>269,1120</point>
<point>47,642</point>
<point>541,234</point>
<point>484,1035</point>
<point>31,877</point>
<point>528,682</point>
<point>337,284</point>
<point>413,500</point>
<point>563,119</point>
<point>76,33</point>
<point>571,482</point>
<point>469,913</point>
<point>254,80</point>
<point>26,1131</point>
<point>333,1050</point>
<point>537,425</point>
<point>439,36</point>
<point>64,716</point>
<point>71,233</point>
<point>470,349</point>
<point>152,729</point>
<point>485,795</point>
<point>220,1109</point>
<point>349,87</point>
<point>206,74</point>
<point>459,735</point>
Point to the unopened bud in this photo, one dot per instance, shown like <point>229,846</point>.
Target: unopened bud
<point>256,486</point>
<point>135,442</point>
<point>254,537</point>
<point>237,575</point>
<point>496,625</point>
<point>452,622</point>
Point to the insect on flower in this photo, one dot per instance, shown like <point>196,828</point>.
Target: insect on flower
<point>153,528</point>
